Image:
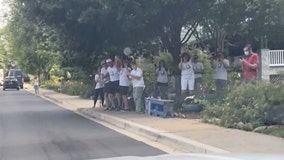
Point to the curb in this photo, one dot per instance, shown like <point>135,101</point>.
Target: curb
<point>162,137</point>
<point>53,99</point>
<point>169,139</point>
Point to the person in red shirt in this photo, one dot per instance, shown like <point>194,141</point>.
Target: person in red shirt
<point>249,64</point>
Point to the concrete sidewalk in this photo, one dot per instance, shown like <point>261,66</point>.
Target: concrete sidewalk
<point>188,135</point>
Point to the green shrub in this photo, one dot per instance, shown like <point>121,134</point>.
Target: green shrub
<point>150,82</point>
<point>73,73</point>
<point>248,104</point>
<point>50,85</point>
<point>275,131</point>
<point>77,88</point>
<point>212,110</point>
<point>88,92</point>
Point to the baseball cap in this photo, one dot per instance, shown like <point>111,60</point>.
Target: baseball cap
<point>108,60</point>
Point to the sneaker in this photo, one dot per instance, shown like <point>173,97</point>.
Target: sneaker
<point>140,112</point>
<point>127,110</point>
<point>106,109</point>
<point>111,109</point>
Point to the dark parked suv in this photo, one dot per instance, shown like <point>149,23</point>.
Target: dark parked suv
<point>11,82</point>
<point>17,73</point>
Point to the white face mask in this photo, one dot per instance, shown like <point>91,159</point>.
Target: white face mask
<point>246,53</point>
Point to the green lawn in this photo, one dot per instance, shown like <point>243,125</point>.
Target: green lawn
<point>277,131</point>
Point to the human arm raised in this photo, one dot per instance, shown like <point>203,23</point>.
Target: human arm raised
<point>137,76</point>
<point>253,65</point>
<point>180,63</point>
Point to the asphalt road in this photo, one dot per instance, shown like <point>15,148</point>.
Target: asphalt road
<point>32,128</point>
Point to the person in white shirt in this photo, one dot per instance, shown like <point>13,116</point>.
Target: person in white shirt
<point>113,74</point>
<point>124,83</point>
<point>198,71</point>
<point>187,74</point>
<point>106,84</point>
<point>161,88</point>
<point>220,64</point>
<point>138,87</point>
<point>99,88</point>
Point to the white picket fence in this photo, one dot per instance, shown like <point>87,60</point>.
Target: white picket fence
<point>276,58</point>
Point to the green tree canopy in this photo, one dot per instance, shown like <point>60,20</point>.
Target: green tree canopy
<point>87,31</point>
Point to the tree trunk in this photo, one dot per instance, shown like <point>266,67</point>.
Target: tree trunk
<point>220,40</point>
<point>173,44</point>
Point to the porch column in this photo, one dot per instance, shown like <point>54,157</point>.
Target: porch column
<point>264,65</point>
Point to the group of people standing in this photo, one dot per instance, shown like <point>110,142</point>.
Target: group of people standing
<point>113,80</point>
<point>192,70</point>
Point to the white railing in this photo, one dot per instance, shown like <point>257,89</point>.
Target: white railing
<point>276,58</point>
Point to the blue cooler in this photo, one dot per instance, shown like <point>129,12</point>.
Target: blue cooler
<point>160,107</point>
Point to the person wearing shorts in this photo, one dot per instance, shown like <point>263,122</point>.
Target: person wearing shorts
<point>99,88</point>
<point>113,74</point>
<point>106,84</point>
<point>187,74</point>
<point>124,83</point>
<point>36,86</point>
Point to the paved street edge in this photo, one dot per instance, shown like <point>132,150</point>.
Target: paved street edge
<point>179,142</point>
<point>169,139</point>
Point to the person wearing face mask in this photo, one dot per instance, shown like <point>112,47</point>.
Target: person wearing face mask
<point>249,64</point>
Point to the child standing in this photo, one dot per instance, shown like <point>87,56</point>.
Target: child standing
<point>36,85</point>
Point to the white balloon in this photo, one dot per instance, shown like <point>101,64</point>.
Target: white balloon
<point>127,51</point>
